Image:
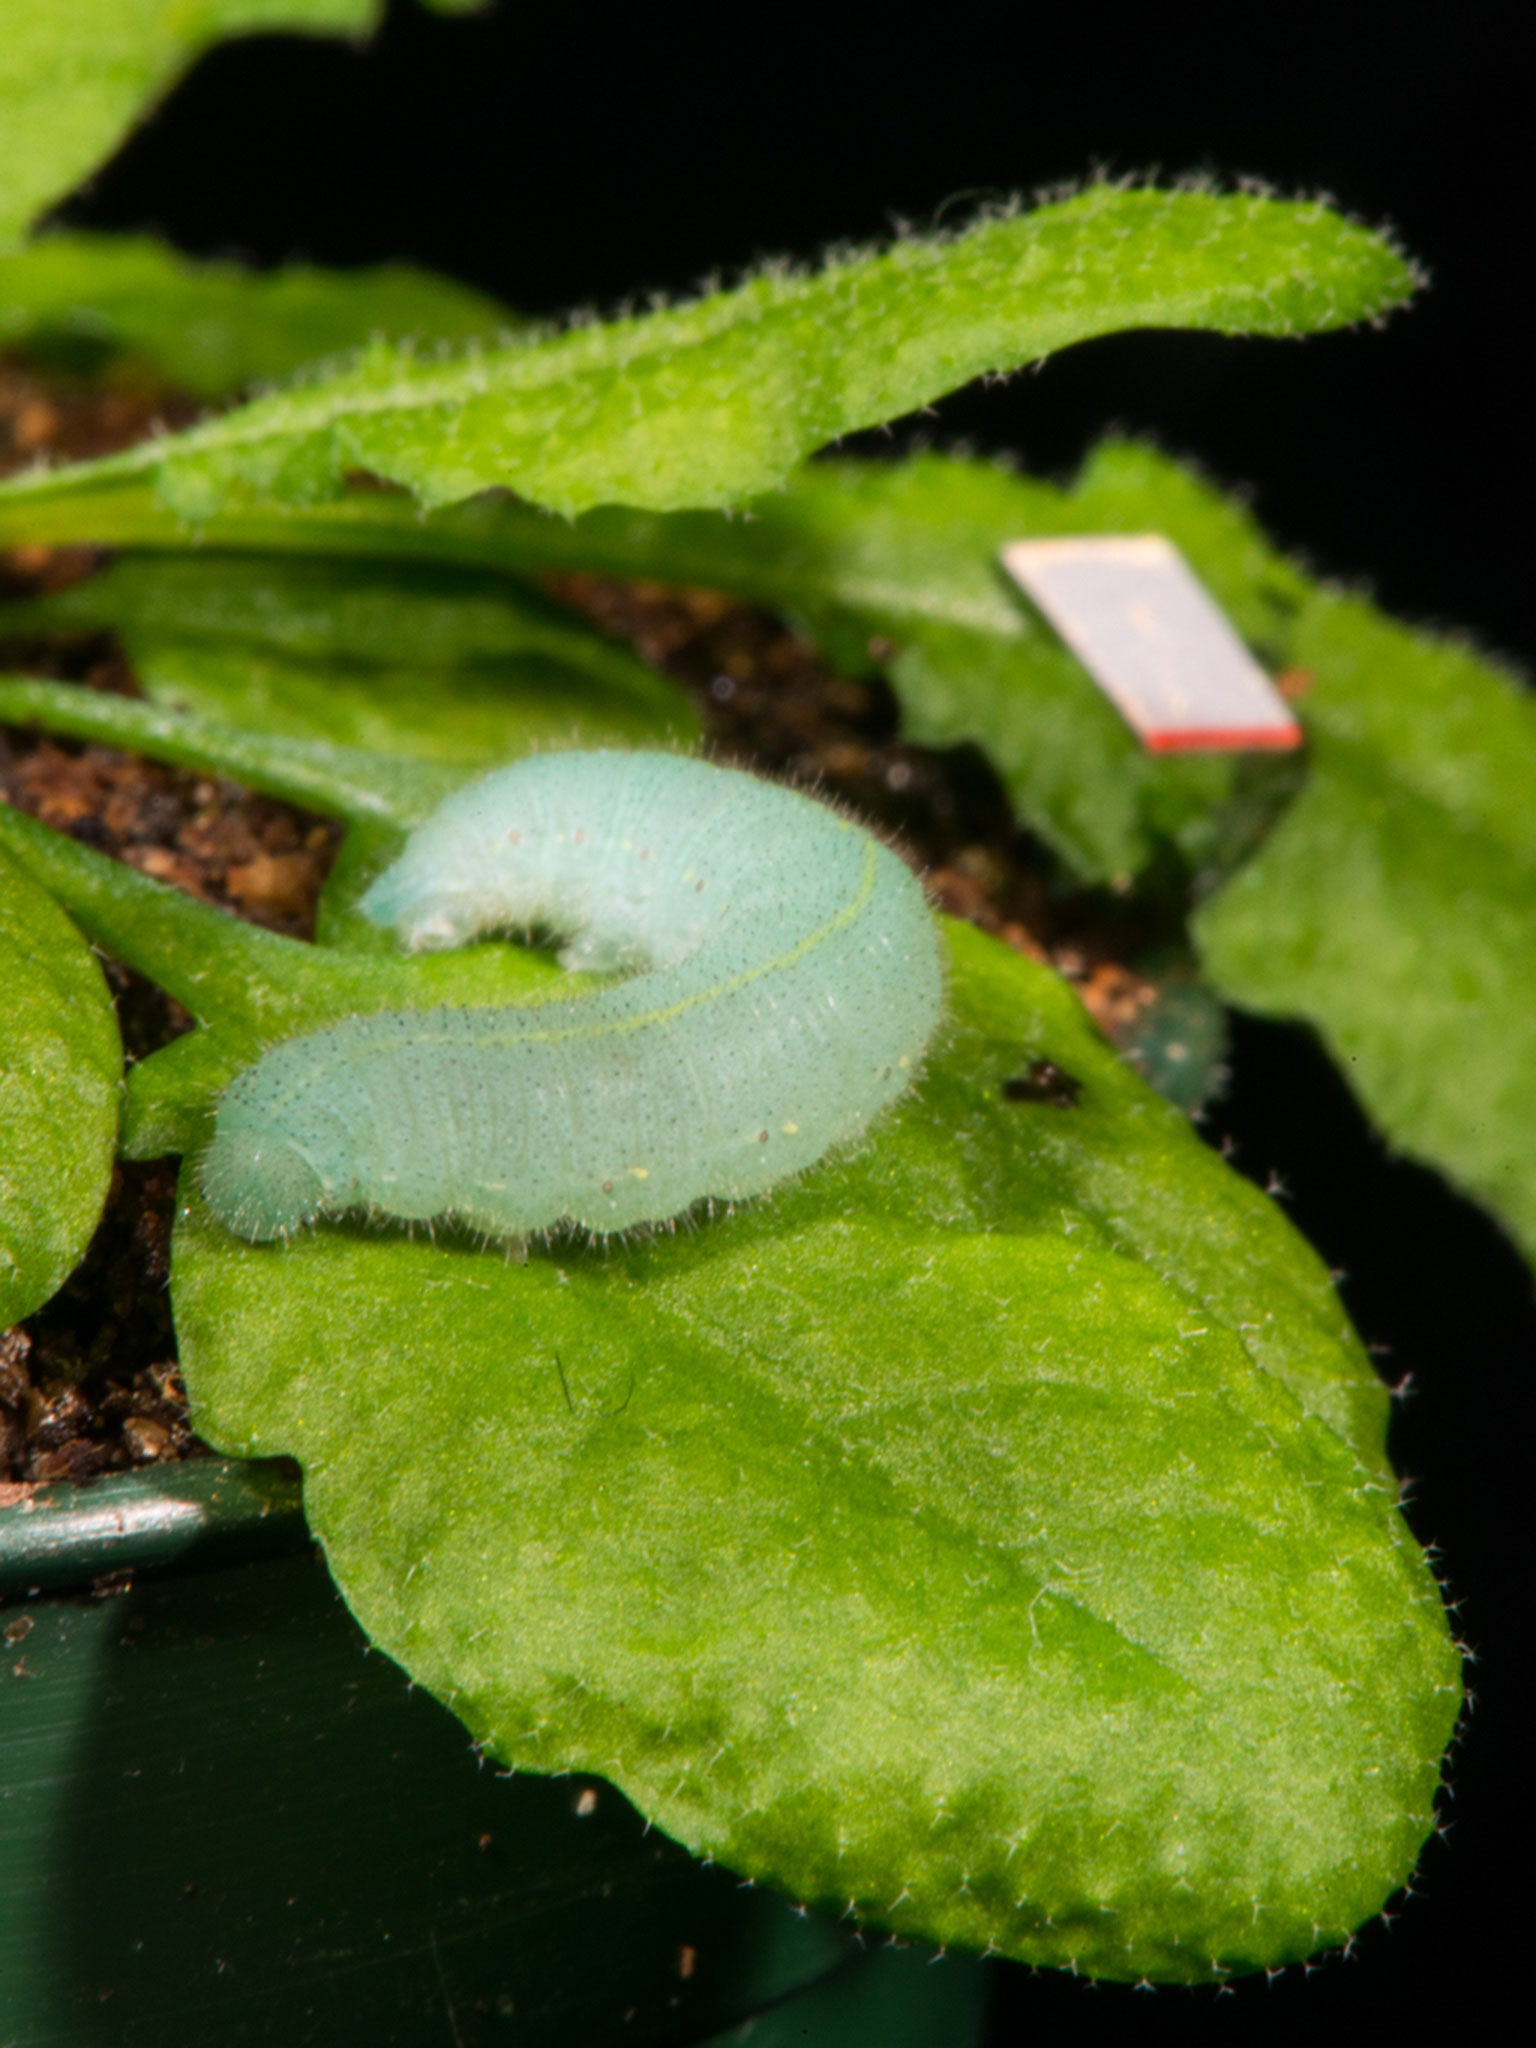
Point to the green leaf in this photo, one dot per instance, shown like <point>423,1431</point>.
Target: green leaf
<point>60,1070</point>
<point>212,328</point>
<point>75,75</point>
<point>358,785</point>
<point>419,662</point>
<point>1394,907</point>
<point>904,557</point>
<point>994,1576</point>
<point>714,402</point>
<point>993,1532</point>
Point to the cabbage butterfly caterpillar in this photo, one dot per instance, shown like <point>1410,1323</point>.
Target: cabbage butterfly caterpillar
<point>785,980</point>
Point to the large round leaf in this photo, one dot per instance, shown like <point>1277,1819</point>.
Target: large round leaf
<point>991,1535</point>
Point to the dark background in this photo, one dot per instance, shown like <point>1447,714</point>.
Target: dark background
<point>558,157</point>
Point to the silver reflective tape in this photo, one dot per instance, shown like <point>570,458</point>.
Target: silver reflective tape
<point>1148,632</point>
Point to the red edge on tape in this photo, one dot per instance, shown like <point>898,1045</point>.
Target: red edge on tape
<point>1201,739</point>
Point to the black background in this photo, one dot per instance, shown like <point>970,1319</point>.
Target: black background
<point>557,157</point>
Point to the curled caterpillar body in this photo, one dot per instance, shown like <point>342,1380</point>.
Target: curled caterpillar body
<point>785,978</point>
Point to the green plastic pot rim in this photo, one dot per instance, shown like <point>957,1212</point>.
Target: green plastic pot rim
<point>58,1536</point>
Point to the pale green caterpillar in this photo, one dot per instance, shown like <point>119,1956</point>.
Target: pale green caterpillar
<point>786,980</point>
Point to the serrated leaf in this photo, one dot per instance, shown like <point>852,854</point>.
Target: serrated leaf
<point>213,328</point>
<point>60,1073</point>
<point>714,402</point>
<point>76,74</point>
<point>993,1531</point>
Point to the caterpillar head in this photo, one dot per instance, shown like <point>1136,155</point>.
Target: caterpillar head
<point>259,1183</point>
